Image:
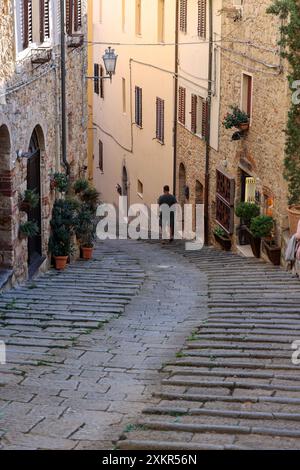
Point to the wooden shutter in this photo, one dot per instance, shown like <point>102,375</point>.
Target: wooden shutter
<point>183,16</point>
<point>202,18</point>
<point>138,106</point>
<point>96,79</point>
<point>194,114</point>
<point>204,119</point>
<point>225,194</point>
<point>27,23</point>
<point>69,16</point>
<point>181,105</point>
<point>100,155</point>
<point>160,119</point>
<point>77,14</point>
<point>44,20</point>
<point>101,82</point>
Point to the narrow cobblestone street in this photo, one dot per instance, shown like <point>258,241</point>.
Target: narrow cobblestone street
<point>143,348</point>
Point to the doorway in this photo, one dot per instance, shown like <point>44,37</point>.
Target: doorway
<point>34,214</point>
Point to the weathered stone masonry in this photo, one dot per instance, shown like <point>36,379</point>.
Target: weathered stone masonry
<point>31,105</point>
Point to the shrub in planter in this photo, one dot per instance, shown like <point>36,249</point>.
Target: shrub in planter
<point>28,229</point>
<point>29,200</point>
<point>260,227</point>
<point>237,118</point>
<point>85,229</point>
<point>90,196</point>
<point>222,238</point>
<point>245,211</point>
<point>273,251</point>
<point>62,223</point>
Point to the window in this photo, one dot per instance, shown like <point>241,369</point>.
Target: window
<point>123,15</point>
<point>202,18</point>
<point>124,95</point>
<point>138,106</point>
<point>101,83</point>
<point>160,120</point>
<point>183,16</point>
<point>161,20</point>
<point>181,105</point>
<point>247,94</point>
<point>100,155</point>
<point>138,17</point>
<point>198,116</point>
<point>73,16</point>
<point>225,189</point>
<point>96,79</point>
<point>34,22</point>
<point>140,188</point>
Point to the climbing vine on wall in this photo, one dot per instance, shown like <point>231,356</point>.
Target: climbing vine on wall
<point>289,12</point>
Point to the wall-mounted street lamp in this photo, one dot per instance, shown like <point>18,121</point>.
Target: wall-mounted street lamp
<point>110,63</point>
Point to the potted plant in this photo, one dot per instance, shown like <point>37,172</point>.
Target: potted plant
<point>62,223</point>
<point>246,211</point>
<point>85,229</point>
<point>80,185</point>
<point>28,229</point>
<point>59,181</point>
<point>237,118</point>
<point>222,238</point>
<point>91,197</point>
<point>260,227</point>
<point>29,200</point>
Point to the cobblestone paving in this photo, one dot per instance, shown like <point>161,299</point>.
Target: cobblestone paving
<point>234,385</point>
<point>84,347</point>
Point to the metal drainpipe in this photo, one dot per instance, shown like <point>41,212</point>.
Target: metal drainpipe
<point>207,156</point>
<point>63,87</point>
<point>175,99</point>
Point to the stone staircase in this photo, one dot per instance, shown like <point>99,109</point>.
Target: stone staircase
<point>233,386</point>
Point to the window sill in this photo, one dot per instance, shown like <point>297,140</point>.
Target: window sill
<point>140,195</point>
<point>159,141</point>
<point>138,126</point>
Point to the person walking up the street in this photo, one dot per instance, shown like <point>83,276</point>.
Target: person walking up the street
<point>168,199</point>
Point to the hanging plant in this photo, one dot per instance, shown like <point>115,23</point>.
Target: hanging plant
<point>59,181</point>
<point>289,12</point>
<point>28,229</point>
<point>29,200</point>
<point>237,118</point>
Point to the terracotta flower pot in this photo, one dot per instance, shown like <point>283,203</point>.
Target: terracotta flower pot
<point>60,262</point>
<point>294,217</point>
<point>244,126</point>
<point>87,252</point>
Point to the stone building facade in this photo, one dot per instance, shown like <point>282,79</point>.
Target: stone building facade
<point>30,120</point>
<point>253,77</point>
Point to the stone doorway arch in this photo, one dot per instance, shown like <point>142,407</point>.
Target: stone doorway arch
<point>6,205</point>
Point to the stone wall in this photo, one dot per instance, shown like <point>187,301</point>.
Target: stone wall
<point>32,102</point>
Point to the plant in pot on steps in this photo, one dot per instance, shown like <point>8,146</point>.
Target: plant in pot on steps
<point>29,200</point>
<point>260,227</point>
<point>85,229</point>
<point>62,229</point>
<point>236,118</point>
<point>246,211</point>
<point>28,229</point>
<point>222,238</point>
<point>273,250</point>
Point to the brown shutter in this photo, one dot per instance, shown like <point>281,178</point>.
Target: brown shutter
<point>42,21</point>
<point>69,16</point>
<point>101,82</point>
<point>100,155</point>
<point>183,16</point>
<point>181,105</point>
<point>202,18</point>
<point>194,114</point>
<point>160,119</point>
<point>96,79</point>
<point>79,13</point>
<point>27,23</point>
<point>225,195</point>
<point>139,106</point>
<point>47,19</point>
<point>204,118</point>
